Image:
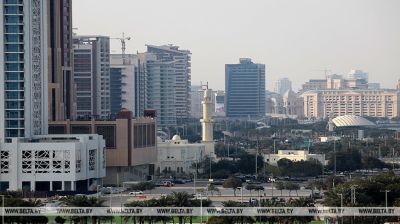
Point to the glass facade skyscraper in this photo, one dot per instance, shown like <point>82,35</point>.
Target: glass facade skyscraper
<point>245,89</point>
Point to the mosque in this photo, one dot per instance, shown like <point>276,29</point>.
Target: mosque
<point>177,156</point>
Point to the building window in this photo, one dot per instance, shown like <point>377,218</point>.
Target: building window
<point>81,129</point>
<point>109,134</point>
<point>92,159</point>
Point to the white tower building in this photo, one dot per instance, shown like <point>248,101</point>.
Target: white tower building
<point>207,122</point>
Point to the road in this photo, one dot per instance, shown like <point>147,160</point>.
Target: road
<point>223,195</point>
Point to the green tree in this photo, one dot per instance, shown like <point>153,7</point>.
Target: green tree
<point>369,192</point>
<point>212,189</point>
<point>234,183</point>
<point>142,186</point>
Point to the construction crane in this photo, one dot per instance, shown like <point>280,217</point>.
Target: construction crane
<point>123,44</point>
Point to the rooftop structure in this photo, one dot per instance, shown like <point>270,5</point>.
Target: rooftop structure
<point>351,121</point>
<point>293,155</point>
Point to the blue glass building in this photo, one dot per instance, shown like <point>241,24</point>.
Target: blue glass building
<point>245,89</point>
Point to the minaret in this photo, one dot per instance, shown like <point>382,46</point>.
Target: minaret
<point>207,122</point>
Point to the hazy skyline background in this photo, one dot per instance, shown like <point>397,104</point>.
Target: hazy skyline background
<point>297,39</point>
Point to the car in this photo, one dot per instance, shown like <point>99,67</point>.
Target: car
<point>135,193</point>
<point>168,183</point>
<point>179,181</point>
<point>200,197</point>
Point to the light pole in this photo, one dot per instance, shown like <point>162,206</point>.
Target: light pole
<point>2,205</point>
<point>195,176</point>
<point>201,207</point>
<point>98,192</point>
<point>256,157</point>
<point>210,167</point>
<point>386,198</point>
<point>353,193</point>
<point>110,195</point>
<point>341,205</point>
<point>241,194</point>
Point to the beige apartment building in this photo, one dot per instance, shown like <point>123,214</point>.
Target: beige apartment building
<point>131,146</point>
<point>362,102</point>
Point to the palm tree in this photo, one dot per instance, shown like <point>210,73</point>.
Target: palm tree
<point>83,201</point>
<point>14,201</point>
<point>181,199</point>
<point>235,219</point>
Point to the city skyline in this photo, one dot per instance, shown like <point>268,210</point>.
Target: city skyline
<point>293,39</point>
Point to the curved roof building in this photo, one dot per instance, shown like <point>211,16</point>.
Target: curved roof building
<point>351,121</point>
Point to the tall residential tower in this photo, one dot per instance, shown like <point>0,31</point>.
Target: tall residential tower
<point>175,67</point>
<point>23,68</point>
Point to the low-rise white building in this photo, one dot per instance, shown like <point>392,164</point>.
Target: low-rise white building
<point>178,156</point>
<point>293,155</point>
<point>53,163</point>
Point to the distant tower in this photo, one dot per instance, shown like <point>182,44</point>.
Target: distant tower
<point>207,122</point>
<point>331,125</point>
<point>398,85</point>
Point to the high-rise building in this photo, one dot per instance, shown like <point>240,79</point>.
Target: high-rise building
<point>334,81</point>
<point>220,103</point>
<point>358,74</point>
<point>61,83</point>
<point>29,158</point>
<point>177,68</point>
<point>245,89</point>
<point>159,91</point>
<point>196,95</point>
<point>122,82</point>
<point>372,103</point>
<point>92,75</point>
<point>282,85</point>
<point>23,68</point>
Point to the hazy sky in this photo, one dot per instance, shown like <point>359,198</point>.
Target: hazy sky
<point>293,38</point>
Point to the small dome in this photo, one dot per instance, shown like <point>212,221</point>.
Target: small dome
<point>176,138</point>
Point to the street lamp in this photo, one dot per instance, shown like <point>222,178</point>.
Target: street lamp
<point>241,194</point>
<point>2,212</point>
<point>195,176</point>
<point>386,199</point>
<point>341,206</point>
<point>110,195</point>
<point>353,193</point>
<point>201,207</point>
<point>98,192</point>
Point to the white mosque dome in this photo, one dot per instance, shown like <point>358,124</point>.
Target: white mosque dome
<point>176,138</point>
